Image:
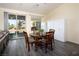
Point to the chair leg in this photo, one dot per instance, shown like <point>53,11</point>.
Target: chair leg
<point>46,48</point>
<point>32,44</point>
<point>28,47</point>
<point>51,47</point>
<point>37,44</point>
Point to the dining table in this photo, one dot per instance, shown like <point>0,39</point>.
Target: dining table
<point>41,35</point>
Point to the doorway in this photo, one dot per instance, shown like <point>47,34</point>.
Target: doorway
<point>16,25</point>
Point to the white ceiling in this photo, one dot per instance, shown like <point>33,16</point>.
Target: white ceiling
<point>39,8</point>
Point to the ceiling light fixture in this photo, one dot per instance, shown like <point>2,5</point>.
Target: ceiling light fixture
<point>36,5</point>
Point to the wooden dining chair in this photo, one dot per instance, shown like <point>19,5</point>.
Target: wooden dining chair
<point>49,40</point>
<point>52,36</point>
<point>26,40</point>
<point>36,41</point>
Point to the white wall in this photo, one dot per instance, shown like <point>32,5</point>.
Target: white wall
<point>5,21</point>
<point>70,13</point>
<point>1,20</point>
<point>58,25</point>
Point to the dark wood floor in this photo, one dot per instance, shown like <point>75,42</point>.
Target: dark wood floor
<point>16,47</point>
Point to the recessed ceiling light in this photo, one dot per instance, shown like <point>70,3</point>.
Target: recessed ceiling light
<point>36,5</point>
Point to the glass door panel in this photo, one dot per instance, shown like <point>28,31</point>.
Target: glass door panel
<point>12,25</point>
<point>20,25</point>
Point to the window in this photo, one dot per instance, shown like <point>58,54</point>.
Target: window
<point>11,16</point>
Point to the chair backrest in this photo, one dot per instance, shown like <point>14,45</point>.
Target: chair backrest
<point>46,38</point>
<point>49,37</point>
<point>51,30</point>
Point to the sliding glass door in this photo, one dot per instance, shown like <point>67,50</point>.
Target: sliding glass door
<point>16,25</point>
<point>20,25</point>
<point>12,25</point>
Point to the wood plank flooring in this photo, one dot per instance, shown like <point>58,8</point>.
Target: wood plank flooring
<point>16,47</point>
